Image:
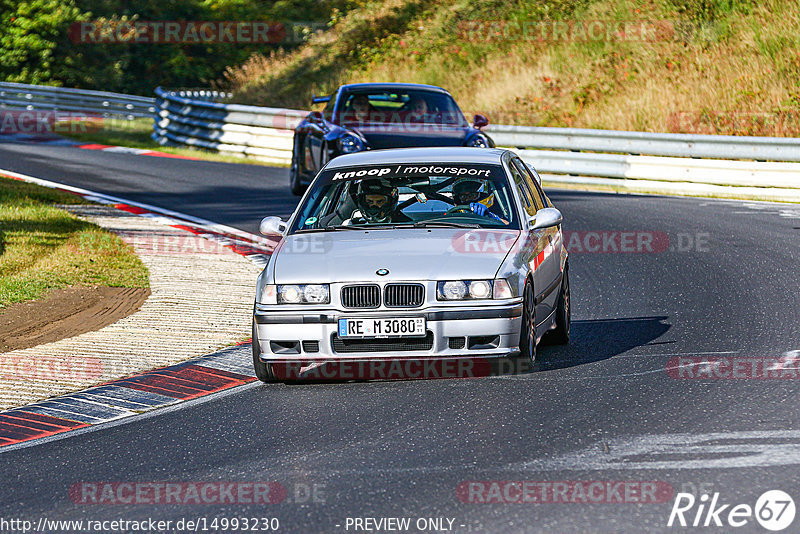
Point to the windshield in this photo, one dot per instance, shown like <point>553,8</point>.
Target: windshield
<point>408,195</point>
<point>400,107</point>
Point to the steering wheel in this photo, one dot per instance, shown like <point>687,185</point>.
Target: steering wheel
<point>463,208</point>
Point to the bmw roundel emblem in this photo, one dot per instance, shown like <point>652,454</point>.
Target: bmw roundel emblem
<point>382,272</point>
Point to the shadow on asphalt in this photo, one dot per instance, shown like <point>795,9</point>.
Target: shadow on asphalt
<point>600,339</point>
<point>591,341</point>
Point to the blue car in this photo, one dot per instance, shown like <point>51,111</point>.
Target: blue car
<point>371,116</point>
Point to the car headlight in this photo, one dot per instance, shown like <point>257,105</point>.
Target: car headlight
<point>479,141</point>
<point>316,294</point>
<point>296,294</point>
<point>349,143</point>
<point>464,290</point>
<point>473,289</point>
<point>453,290</point>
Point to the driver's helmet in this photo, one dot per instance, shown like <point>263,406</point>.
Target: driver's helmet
<point>376,199</point>
<point>468,190</point>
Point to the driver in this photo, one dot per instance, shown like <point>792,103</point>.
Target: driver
<point>467,193</point>
<point>418,108</point>
<point>377,202</point>
<point>361,107</point>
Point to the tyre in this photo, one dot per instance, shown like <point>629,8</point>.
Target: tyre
<point>527,332</point>
<point>294,179</point>
<point>263,370</point>
<point>560,335</point>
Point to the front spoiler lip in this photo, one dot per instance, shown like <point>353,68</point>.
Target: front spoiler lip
<point>332,316</point>
<point>389,357</point>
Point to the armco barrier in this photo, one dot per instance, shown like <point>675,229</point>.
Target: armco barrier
<point>194,118</point>
<point>702,171</point>
<point>20,96</point>
<point>263,133</point>
<point>652,144</point>
<point>762,162</point>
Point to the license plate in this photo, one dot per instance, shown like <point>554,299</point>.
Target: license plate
<point>383,327</point>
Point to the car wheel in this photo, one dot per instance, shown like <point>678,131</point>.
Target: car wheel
<point>294,178</point>
<point>560,335</point>
<point>263,370</point>
<point>527,332</point>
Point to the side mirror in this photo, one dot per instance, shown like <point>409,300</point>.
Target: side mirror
<point>315,117</point>
<point>272,226</point>
<point>479,121</point>
<point>545,218</point>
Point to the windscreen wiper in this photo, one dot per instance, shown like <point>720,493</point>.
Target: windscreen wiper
<point>332,228</point>
<point>444,224</point>
<point>360,227</point>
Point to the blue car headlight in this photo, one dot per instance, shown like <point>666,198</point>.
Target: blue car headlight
<point>349,143</point>
<point>479,141</point>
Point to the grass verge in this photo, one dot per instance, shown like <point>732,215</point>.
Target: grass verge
<point>43,247</point>
<point>701,66</point>
<point>136,134</point>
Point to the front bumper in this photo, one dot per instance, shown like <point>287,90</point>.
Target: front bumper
<point>468,331</point>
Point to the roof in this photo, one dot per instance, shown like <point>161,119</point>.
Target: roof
<point>419,155</point>
<point>390,85</point>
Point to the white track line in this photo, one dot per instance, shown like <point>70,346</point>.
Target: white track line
<point>109,199</point>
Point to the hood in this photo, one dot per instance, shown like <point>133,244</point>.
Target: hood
<point>418,254</point>
<point>403,136</point>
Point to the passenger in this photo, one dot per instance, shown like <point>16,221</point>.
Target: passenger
<point>467,195</point>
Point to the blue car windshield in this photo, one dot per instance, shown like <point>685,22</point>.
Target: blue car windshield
<point>399,107</point>
<point>409,195</point>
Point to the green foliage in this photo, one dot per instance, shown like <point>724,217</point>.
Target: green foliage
<point>704,11</point>
<point>33,39</point>
<point>35,45</point>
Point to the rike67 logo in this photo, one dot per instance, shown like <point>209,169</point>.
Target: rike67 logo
<point>774,510</point>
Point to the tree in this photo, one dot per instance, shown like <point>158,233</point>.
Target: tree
<point>33,39</point>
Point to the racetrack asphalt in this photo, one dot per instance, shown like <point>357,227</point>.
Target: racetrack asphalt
<point>604,408</point>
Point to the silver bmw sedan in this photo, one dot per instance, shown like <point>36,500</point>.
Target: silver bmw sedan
<point>420,253</point>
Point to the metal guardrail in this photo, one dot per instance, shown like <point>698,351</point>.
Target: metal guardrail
<point>651,144</point>
<point>259,132</point>
<point>209,95</point>
<point>666,169</point>
<point>193,117</point>
<point>266,133</point>
<point>20,96</point>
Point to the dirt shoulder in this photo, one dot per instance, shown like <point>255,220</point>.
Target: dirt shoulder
<point>65,313</point>
<point>200,300</point>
